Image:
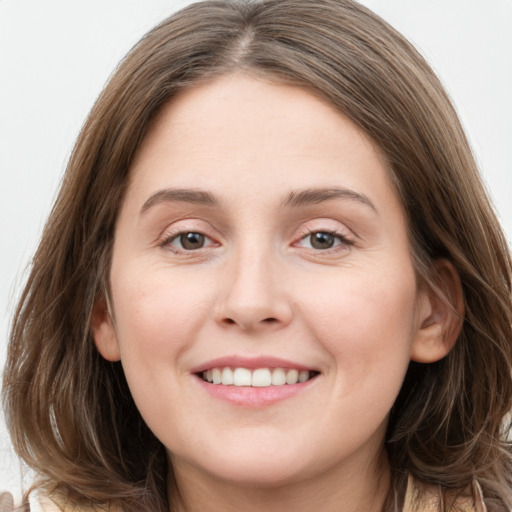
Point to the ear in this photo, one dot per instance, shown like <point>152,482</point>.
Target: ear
<point>441,312</point>
<point>103,331</point>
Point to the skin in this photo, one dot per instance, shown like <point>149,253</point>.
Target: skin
<point>354,312</point>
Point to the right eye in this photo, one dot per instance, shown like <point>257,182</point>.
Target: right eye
<point>322,240</point>
<point>187,241</point>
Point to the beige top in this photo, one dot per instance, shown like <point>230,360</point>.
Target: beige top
<point>429,500</point>
<point>470,500</point>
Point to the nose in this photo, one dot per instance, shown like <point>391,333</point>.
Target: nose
<point>254,295</point>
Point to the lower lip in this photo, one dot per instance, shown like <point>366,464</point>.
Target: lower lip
<point>248,396</point>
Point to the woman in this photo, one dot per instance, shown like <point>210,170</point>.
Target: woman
<point>272,279</point>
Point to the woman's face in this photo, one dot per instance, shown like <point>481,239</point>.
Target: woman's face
<point>261,240</point>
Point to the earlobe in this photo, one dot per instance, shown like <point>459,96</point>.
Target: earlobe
<point>103,331</point>
<point>441,312</point>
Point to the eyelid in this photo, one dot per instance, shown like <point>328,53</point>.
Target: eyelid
<point>341,236</point>
<point>174,231</point>
<point>167,242</point>
<point>193,225</point>
<point>326,225</point>
<point>334,228</point>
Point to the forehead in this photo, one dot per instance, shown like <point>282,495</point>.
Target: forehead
<point>241,132</point>
<point>256,105</point>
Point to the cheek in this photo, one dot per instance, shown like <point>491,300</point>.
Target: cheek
<point>158,316</point>
<point>366,320</point>
<point>157,311</point>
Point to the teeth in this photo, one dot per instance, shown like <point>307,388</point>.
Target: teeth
<point>216,376</point>
<point>261,377</point>
<point>227,377</point>
<point>292,377</point>
<point>303,376</point>
<point>278,377</point>
<point>242,377</point>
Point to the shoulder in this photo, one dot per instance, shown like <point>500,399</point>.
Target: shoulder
<point>36,503</point>
<point>421,497</point>
<point>6,502</point>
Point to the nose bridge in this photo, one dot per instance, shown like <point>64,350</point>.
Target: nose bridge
<point>254,296</point>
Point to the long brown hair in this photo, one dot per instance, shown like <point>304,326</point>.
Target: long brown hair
<point>70,412</point>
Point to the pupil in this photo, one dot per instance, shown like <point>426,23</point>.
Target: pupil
<point>192,240</point>
<point>322,240</point>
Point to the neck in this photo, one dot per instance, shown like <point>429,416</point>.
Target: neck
<point>358,489</point>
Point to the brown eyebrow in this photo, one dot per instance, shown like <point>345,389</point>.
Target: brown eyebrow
<point>182,195</point>
<point>319,195</point>
<point>294,199</point>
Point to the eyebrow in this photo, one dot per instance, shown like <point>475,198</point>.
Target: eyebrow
<point>168,195</point>
<point>319,195</point>
<point>294,199</point>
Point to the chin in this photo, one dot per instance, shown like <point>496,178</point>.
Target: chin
<point>265,468</point>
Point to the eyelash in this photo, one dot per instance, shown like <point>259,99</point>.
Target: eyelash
<point>167,242</point>
<point>343,241</point>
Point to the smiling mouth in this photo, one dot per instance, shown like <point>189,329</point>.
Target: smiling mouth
<point>259,377</point>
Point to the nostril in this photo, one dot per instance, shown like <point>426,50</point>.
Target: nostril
<point>269,320</point>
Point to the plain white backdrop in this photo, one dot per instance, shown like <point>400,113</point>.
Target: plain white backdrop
<point>55,56</point>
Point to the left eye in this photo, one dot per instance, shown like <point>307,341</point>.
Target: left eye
<point>189,241</point>
<point>322,240</point>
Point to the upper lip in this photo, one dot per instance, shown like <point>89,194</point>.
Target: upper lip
<point>251,363</point>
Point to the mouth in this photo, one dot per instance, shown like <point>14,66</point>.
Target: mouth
<point>257,377</point>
